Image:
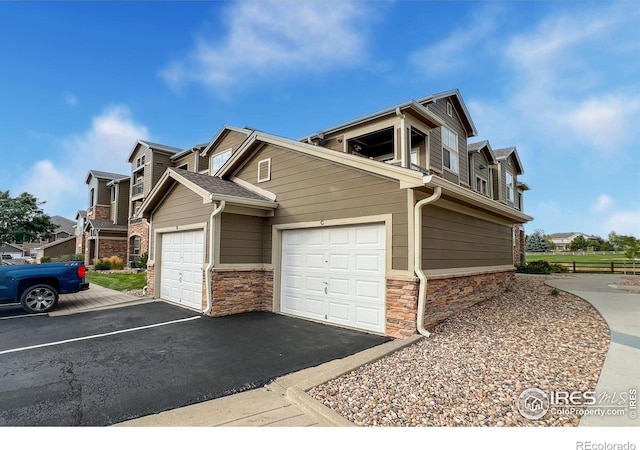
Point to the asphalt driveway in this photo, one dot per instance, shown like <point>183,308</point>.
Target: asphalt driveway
<point>104,367</point>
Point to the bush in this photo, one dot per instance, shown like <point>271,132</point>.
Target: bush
<point>543,267</point>
<point>142,263</point>
<point>45,259</point>
<point>111,263</point>
<point>74,257</point>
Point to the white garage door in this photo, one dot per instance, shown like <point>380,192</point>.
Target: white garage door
<point>181,268</point>
<point>336,275</point>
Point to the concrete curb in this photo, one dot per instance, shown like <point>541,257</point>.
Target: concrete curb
<point>314,408</point>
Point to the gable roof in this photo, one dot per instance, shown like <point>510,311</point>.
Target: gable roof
<point>411,105</point>
<point>482,147</point>
<point>208,187</point>
<point>566,235</point>
<point>454,94</point>
<point>504,153</point>
<point>406,177</point>
<point>153,146</point>
<point>62,224</point>
<point>196,148</point>
<point>104,175</point>
<point>81,213</point>
<point>220,134</point>
<point>58,242</point>
<point>107,225</point>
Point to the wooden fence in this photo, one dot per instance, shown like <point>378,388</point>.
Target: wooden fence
<point>620,267</point>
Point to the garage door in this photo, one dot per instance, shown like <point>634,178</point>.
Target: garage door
<point>335,275</point>
<point>181,268</point>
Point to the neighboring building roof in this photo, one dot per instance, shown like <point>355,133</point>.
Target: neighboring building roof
<point>209,188</point>
<point>196,148</point>
<point>62,224</point>
<point>58,242</point>
<point>104,175</point>
<point>504,153</point>
<point>14,246</point>
<point>568,235</point>
<point>82,213</point>
<point>125,179</point>
<point>99,224</point>
<point>155,147</point>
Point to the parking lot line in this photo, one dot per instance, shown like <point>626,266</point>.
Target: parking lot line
<point>23,316</point>
<point>95,336</point>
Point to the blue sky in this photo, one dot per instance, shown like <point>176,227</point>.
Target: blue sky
<point>80,82</point>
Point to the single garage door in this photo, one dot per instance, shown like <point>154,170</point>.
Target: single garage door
<point>181,268</point>
<point>335,275</point>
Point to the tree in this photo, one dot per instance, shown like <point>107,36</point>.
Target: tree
<point>620,241</point>
<point>632,252</point>
<point>22,216</point>
<point>536,242</point>
<point>578,243</point>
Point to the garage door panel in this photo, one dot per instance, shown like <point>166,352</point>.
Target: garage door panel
<point>343,273</point>
<point>181,267</point>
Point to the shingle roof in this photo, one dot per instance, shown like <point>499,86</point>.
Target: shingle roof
<point>99,224</point>
<point>217,185</point>
<point>107,175</point>
<point>62,224</point>
<point>475,146</point>
<point>161,147</point>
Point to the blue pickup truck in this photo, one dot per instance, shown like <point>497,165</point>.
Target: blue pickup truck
<point>37,286</point>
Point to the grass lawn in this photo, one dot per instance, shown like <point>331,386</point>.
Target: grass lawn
<point>588,258</point>
<point>118,281</point>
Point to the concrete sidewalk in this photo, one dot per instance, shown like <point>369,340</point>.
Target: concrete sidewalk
<point>96,297</point>
<point>619,305</point>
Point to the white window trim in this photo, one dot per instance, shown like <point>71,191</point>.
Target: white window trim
<point>225,155</point>
<point>486,185</point>
<point>510,186</point>
<point>449,109</point>
<point>452,151</point>
<point>268,163</point>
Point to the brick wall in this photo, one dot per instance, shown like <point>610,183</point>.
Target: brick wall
<point>100,212</point>
<point>142,229</point>
<point>112,247</point>
<point>237,291</point>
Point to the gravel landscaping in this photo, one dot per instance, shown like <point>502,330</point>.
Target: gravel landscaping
<point>473,367</point>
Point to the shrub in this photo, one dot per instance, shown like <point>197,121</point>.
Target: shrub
<point>102,264</point>
<point>45,259</point>
<point>142,263</point>
<point>541,267</point>
<point>111,263</point>
<point>74,257</point>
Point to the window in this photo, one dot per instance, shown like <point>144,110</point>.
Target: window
<point>450,149</point>
<point>264,170</point>
<point>136,245</point>
<point>140,161</point>
<point>481,186</point>
<point>449,109</point>
<point>510,186</point>
<point>218,160</point>
<point>91,197</point>
<point>184,166</point>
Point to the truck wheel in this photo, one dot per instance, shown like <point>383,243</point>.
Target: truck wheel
<point>39,298</point>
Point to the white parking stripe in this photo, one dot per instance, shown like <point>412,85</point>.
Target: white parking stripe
<point>23,316</point>
<point>95,336</point>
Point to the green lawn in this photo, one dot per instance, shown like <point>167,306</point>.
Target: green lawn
<point>617,257</point>
<point>118,281</point>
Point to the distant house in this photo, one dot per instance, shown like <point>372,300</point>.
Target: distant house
<point>57,248</point>
<point>562,240</point>
<point>64,228</point>
<point>13,250</point>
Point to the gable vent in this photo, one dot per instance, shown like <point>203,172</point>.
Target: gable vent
<point>264,170</point>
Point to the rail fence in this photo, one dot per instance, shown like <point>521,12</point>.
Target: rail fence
<point>617,267</point>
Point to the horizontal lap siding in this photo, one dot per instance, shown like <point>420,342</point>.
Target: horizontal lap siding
<point>231,140</point>
<point>454,240</point>
<point>454,124</point>
<point>181,207</point>
<point>241,239</point>
<point>309,189</point>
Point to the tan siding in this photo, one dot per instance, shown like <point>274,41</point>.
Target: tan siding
<point>181,207</point>
<point>335,143</point>
<point>188,159</point>
<point>123,202</point>
<point>104,193</point>
<point>241,240</point>
<point>454,124</point>
<point>231,140</point>
<point>309,190</point>
<point>159,164</point>
<point>454,240</point>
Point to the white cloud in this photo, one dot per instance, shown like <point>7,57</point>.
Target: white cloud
<point>624,222</point>
<point>275,38</point>
<point>603,204</point>
<point>104,146</point>
<point>453,53</point>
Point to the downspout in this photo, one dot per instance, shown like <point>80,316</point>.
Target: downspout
<point>417,230</point>
<point>207,274</point>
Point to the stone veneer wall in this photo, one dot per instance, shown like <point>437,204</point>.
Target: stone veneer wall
<point>446,296</point>
<point>518,245</point>
<point>236,291</point>
<point>142,229</point>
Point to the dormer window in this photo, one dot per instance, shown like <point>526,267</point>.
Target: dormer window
<point>449,109</point>
<point>450,149</point>
<point>218,160</point>
<point>481,186</point>
<point>140,161</point>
